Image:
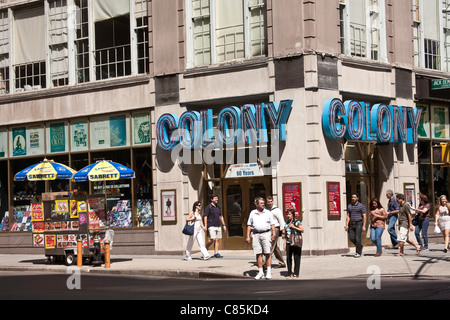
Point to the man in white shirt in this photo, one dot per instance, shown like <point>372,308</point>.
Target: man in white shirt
<point>279,225</point>
<point>262,225</point>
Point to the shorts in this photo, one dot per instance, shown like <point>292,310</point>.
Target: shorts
<point>262,243</point>
<point>215,232</point>
<point>403,234</point>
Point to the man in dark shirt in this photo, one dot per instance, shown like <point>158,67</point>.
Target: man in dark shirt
<point>213,220</point>
<point>355,223</point>
<point>405,225</point>
<point>392,210</point>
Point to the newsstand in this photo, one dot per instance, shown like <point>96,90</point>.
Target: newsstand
<point>61,220</point>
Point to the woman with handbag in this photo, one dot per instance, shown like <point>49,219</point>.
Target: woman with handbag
<point>196,218</point>
<point>423,221</point>
<point>293,241</point>
<point>378,217</point>
<point>442,219</point>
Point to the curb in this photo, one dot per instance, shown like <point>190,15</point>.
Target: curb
<point>150,273</point>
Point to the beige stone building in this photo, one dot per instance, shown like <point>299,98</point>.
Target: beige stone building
<point>80,78</point>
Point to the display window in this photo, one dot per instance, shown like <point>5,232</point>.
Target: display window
<point>122,138</point>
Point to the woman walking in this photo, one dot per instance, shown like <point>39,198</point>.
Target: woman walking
<point>442,218</point>
<point>199,229</point>
<point>378,218</point>
<point>292,226</point>
<point>423,222</point>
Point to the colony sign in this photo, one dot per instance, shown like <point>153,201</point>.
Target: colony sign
<point>234,125</point>
<point>354,120</point>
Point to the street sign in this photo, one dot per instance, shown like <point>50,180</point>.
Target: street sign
<point>440,84</point>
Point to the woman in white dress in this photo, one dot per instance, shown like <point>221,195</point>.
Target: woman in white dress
<point>199,230</point>
<point>442,218</point>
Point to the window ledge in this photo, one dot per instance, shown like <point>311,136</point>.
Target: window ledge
<point>233,66</point>
<point>72,89</point>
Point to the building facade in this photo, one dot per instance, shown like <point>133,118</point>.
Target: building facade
<point>155,85</point>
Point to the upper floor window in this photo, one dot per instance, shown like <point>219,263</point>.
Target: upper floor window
<point>431,34</point>
<point>62,42</point>
<point>362,28</point>
<point>225,30</point>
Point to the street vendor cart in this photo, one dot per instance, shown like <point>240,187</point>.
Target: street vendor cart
<point>60,222</point>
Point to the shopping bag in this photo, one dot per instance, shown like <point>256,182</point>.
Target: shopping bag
<point>436,229</point>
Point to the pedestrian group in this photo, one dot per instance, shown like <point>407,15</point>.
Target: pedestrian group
<point>399,212</point>
<point>264,227</point>
<point>266,224</point>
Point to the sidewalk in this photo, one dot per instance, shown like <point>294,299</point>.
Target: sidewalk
<point>240,264</point>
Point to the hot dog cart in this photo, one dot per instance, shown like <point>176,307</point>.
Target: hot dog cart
<point>60,220</point>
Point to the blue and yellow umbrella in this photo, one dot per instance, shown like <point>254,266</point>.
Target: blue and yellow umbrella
<point>45,170</point>
<point>104,170</point>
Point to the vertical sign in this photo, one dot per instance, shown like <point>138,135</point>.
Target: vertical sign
<point>292,198</point>
<point>334,200</point>
<point>57,137</point>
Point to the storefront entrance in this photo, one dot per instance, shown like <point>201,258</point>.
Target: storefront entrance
<point>238,200</point>
<point>360,178</point>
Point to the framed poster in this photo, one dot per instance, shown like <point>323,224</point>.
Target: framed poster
<point>292,198</point>
<point>79,135</point>
<point>409,191</point>
<point>141,128</point>
<point>56,137</point>
<point>333,200</point>
<point>18,142</point>
<point>168,207</point>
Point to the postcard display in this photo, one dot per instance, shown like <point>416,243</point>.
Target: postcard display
<point>58,222</point>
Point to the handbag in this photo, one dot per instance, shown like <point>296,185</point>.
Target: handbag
<point>295,238</point>
<point>188,228</point>
<point>415,220</point>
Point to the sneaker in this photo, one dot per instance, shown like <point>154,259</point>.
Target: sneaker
<point>357,255</point>
<point>207,258</point>
<point>187,258</point>
<point>217,255</point>
<point>260,275</point>
<point>268,275</point>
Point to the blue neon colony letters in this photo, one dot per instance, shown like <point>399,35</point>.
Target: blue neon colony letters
<point>354,120</point>
<point>195,129</point>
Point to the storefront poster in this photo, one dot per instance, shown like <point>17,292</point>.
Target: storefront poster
<point>118,131</point>
<point>3,143</point>
<point>141,128</point>
<point>38,240</point>
<point>292,198</point>
<point>410,197</point>
<point>424,124</point>
<point>334,200</point>
<point>57,137</point>
<point>440,123</point>
<point>35,140</point>
<point>73,209</point>
<point>50,241</point>
<point>19,143</point>
<point>62,206</point>
<point>83,219</point>
<point>37,212</point>
<point>168,206</point>
<point>38,226</point>
<point>81,206</point>
<point>79,136</point>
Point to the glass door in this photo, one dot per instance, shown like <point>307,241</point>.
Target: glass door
<point>239,199</point>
